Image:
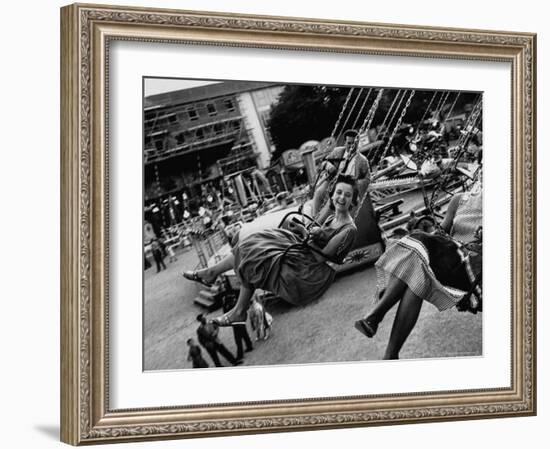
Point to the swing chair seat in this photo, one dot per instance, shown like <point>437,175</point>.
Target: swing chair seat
<point>359,257</point>
<point>392,206</point>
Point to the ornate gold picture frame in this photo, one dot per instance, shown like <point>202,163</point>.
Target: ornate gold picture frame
<point>87,33</point>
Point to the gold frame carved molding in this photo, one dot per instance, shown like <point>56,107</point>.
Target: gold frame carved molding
<point>87,31</point>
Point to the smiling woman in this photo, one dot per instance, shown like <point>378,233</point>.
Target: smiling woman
<point>289,263</point>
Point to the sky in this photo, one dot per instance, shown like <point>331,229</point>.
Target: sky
<point>155,86</point>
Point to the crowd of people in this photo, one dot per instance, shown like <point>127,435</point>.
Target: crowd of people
<point>433,262</point>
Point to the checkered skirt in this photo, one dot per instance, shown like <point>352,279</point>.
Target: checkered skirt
<point>409,260</point>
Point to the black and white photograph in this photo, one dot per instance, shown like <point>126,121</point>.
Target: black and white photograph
<point>297,224</point>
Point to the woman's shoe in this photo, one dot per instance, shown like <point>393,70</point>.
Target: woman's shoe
<point>194,276</point>
<point>225,321</point>
<point>366,327</point>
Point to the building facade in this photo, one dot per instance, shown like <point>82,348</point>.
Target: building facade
<point>195,137</point>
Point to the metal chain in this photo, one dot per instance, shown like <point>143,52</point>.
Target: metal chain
<point>441,102</point>
<point>351,110</point>
<point>392,136</point>
<point>370,116</point>
<point>424,116</point>
<point>387,114</point>
<point>452,107</point>
<point>361,110</point>
<point>471,122</point>
<point>364,196</point>
<point>403,94</point>
<point>417,158</point>
<point>342,112</point>
<point>336,125</point>
<point>365,126</point>
<point>398,124</point>
<point>314,185</point>
<point>344,162</point>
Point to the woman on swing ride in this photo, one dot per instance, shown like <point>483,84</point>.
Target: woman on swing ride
<point>428,267</point>
<point>345,160</point>
<point>279,261</point>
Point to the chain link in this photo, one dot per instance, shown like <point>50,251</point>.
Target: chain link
<point>398,124</point>
<point>402,97</point>
<point>452,107</point>
<point>350,111</point>
<point>441,103</point>
<point>342,112</point>
<point>387,115</point>
<point>370,116</point>
<point>361,110</point>
<point>423,117</point>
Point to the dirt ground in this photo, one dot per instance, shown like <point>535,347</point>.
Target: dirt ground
<point>320,332</point>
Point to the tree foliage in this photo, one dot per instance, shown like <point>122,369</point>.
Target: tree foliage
<point>304,113</point>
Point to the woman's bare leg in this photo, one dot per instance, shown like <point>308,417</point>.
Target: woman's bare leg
<point>391,296</point>
<point>403,324</point>
<point>210,274</point>
<point>393,293</point>
<point>226,264</point>
<point>237,313</point>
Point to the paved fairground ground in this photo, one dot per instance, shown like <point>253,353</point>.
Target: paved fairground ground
<point>320,332</point>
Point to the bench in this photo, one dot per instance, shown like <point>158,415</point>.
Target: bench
<point>392,206</point>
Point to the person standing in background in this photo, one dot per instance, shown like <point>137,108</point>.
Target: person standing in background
<point>195,355</point>
<point>207,334</point>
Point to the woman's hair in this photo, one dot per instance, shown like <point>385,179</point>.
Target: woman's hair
<point>346,179</point>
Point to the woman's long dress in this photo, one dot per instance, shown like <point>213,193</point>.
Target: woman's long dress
<point>274,260</point>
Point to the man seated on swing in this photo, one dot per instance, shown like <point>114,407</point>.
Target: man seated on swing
<point>344,160</point>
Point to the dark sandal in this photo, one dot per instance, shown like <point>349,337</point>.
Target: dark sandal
<point>193,276</point>
<point>366,327</point>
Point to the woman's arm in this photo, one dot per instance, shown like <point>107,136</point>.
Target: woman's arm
<point>337,247</point>
<point>328,167</point>
<point>332,161</point>
<point>447,222</point>
<point>365,176</point>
